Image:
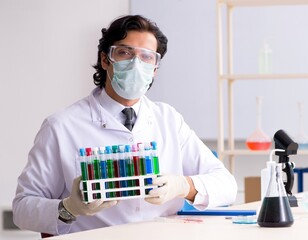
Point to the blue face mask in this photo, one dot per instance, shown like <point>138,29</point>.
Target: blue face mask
<point>132,78</point>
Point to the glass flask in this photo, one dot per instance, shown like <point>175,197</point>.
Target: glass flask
<point>258,140</point>
<point>275,210</point>
<point>301,138</point>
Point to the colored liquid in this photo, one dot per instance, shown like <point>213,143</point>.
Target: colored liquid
<point>120,164</point>
<point>155,165</point>
<point>136,172</point>
<point>149,169</point>
<point>84,176</point>
<point>142,166</point>
<point>123,173</point>
<point>104,172</point>
<point>91,176</point>
<point>258,145</point>
<point>116,174</point>
<point>103,169</point>
<point>275,212</point>
<point>130,172</point>
<point>148,163</point>
<point>110,173</point>
<point>97,175</point>
<point>90,171</point>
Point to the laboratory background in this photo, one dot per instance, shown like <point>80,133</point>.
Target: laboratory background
<point>48,49</point>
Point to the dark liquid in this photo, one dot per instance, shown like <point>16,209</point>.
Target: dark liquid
<point>275,212</point>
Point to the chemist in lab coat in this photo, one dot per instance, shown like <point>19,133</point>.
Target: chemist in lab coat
<point>48,197</point>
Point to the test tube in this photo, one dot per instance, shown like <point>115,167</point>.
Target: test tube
<point>141,159</point>
<point>97,172</point>
<point>136,165</point>
<point>148,162</point>
<point>110,170</point>
<point>84,172</point>
<point>122,169</point>
<point>90,168</point>
<point>103,165</point>
<point>116,167</point>
<point>155,159</point>
<point>130,168</point>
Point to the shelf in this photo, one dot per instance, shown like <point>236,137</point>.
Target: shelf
<point>229,76</point>
<point>254,3</point>
<point>263,76</point>
<point>246,152</point>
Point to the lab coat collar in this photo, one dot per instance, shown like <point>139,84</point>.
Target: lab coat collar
<point>113,107</point>
<point>108,121</point>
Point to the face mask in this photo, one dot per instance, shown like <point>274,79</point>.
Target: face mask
<point>131,78</point>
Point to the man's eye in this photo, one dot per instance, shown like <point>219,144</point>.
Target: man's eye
<point>148,57</point>
<point>123,53</point>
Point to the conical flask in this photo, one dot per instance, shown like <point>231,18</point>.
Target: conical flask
<point>258,140</point>
<point>275,210</point>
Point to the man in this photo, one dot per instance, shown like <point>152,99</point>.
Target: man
<point>48,197</point>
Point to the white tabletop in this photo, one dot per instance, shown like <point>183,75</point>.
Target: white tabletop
<point>198,227</point>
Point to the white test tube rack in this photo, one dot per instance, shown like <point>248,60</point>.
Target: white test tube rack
<point>140,189</point>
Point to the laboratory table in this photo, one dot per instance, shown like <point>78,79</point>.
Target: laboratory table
<point>198,227</point>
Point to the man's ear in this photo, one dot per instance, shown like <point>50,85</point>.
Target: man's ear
<point>155,71</point>
<point>104,61</point>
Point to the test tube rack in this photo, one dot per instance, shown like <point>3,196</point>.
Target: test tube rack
<point>96,189</point>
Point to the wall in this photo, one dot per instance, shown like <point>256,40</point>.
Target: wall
<point>47,50</point>
<point>187,78</point>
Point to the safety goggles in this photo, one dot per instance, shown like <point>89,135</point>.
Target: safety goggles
<point>120,53</point>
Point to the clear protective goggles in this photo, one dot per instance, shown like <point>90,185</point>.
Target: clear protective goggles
<point>121,53</point>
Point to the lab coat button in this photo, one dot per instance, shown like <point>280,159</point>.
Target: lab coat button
<point>104,125</point>
<point>131,139</point>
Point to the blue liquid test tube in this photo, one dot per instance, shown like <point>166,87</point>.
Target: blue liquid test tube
<point>148,159</point>
<point>148,164</point>
<point>122,169</point>
<point>103,165</point>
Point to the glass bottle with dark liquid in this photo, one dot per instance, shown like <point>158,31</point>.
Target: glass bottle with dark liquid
<point>275,210</point>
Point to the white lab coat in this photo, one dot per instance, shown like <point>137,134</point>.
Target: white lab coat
<point>53,164</point>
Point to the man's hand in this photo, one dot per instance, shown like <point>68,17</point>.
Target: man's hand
<point>76,206</point>
<point>169,187</point>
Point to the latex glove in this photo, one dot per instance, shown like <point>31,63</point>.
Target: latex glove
<point>169,187</point>
<point>76,206</point>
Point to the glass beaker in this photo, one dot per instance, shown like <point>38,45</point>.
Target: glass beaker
<point>275,210</point>
<point>301,138</point>
<point>258,140</point>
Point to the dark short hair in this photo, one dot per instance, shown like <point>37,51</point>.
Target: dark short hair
<point>118,30</point>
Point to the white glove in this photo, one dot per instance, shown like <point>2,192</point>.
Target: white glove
<point>76,206</point>
<point>169,187</point>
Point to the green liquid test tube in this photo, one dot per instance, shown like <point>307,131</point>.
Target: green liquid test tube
<point>84,172</point>
<point>155,158</point>
<point>141,159</point>
<point>130,169</point>
<point>97,172</point>
<point>110,170</point>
